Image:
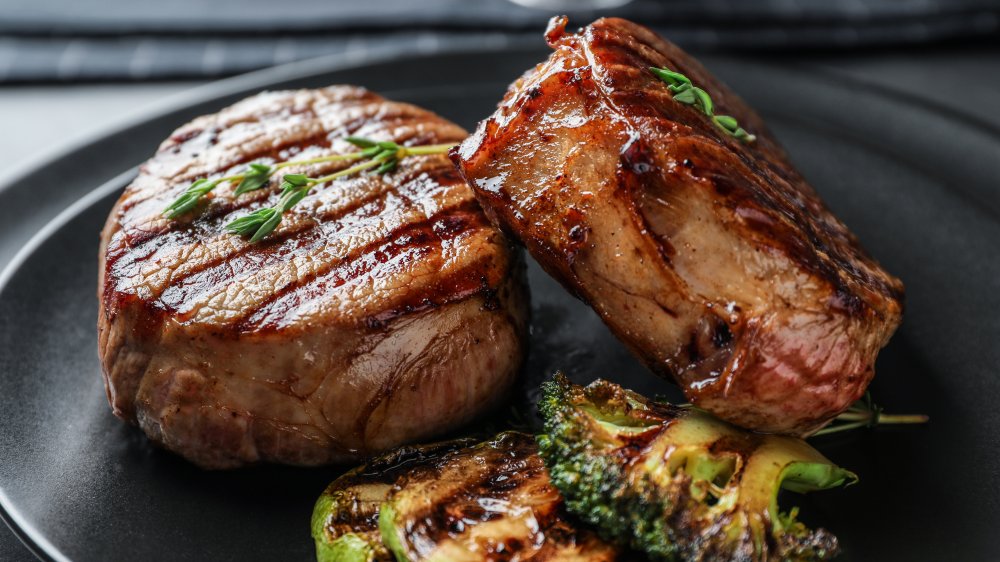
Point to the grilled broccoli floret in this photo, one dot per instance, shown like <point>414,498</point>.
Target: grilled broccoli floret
<point>675,482</point>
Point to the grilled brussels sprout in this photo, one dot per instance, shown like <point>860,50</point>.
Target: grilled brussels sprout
<point>492,501</point>
<point>677,483</point>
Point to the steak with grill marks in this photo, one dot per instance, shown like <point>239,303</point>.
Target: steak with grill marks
<point>710,257</point>
<point>383,309</point>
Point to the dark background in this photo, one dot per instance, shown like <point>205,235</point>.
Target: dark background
<point>70,69</point>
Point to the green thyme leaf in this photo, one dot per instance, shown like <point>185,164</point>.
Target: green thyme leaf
<point>260,223</point>
<point>254,178</point>
<point>387,166</point>
<point>292,199</point>
<point>686,96</point>
<point>726,122</point>
<point>294,180</point>
<point>293,189</point>
<point>189,199</point>
<point>704,101</point>
<point>257,224</point>
<point>268,227</point>
<point>361,142</point>
<point>385,153</point>
<point>671,78</point>
<point>731,127</point>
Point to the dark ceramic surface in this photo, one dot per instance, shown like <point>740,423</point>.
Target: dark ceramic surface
<point>919,187</point>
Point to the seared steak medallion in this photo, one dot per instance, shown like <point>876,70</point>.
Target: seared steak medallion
<point>384,308</point>
<point>709,256</point>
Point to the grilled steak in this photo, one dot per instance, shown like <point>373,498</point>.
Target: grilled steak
<point>710,257</point>
<point>382,310</point>
<point>453,502</point>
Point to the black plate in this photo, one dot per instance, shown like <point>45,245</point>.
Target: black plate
<point>917,185</point>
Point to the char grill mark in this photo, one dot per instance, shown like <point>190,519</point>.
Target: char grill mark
<point>406,127</point>
<point>183,241</point>
<point>310,245</point>
<point>406,245</point>
<point>210,264</point>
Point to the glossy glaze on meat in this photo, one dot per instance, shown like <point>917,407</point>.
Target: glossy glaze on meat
<point>711,258</point>
<point>383,309</point>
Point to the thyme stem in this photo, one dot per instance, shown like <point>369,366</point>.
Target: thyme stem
<point>381,158</point>
<point>345,172</point>
<point>318,160</point>
<point>903,418</point>
<point>865,413</point>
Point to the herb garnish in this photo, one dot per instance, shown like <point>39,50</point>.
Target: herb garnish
<point>383,156</point>
<point>687,93</point>
<point>865,413</point>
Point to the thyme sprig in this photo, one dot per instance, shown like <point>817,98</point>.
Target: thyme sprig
<point>255,177</point>
<point>379,156</point>
<point>189,199</point>
<point>865,413</point>
<point>687,93</point>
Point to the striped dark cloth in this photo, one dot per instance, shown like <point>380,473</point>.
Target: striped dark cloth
<point>64,40</point>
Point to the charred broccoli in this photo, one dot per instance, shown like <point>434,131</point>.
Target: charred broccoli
<point>675,482</point>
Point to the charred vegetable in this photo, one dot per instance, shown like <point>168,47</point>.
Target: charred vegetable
<point>492,501</point>
<point>345,519</point>
<point>677,483</point>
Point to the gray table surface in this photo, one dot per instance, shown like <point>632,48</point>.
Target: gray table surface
<point>41,120</point>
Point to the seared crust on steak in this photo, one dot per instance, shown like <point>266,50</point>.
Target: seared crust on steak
<point>711,258</point>
<point>382,310</point>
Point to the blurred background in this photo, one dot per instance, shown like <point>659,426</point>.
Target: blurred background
<point>70,69</point>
